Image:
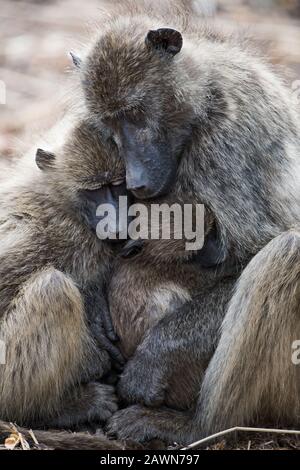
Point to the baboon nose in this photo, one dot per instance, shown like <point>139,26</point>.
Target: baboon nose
<point>139,192</point>
<point>135,179</point>
<point>136,188</point>
<point>137,185</point>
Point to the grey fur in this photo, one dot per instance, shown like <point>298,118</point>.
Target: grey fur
<point>52,271</point>
<point>241,161</point>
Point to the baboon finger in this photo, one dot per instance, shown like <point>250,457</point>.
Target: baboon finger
<point>108,324</point>
<point>113,351</point>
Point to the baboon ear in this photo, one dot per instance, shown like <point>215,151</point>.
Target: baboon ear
<point>165,39</point>
<point>214,251</point>
<point>44,160</point>
<point>76,60</point>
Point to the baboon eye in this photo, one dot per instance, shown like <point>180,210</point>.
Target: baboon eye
<point>94,195</point>
<point>118,182</point>
<point>114,140</point>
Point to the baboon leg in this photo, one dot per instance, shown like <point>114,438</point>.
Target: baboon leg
<point>47,350</point>
<point>252,378</point>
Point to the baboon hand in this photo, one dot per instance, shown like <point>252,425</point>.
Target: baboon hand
<point>132,423</point>
<point>107,322</point>
<point>102,403</point>
<point>89,403</point>
<point>143,380</point>
<point>103,332</point>
<point>115,354</point>
<point>144,424</point>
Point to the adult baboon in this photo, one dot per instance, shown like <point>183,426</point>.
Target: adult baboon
<point>213,121</point>
<point>52,272</point>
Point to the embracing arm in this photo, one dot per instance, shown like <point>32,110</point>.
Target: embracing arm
<point>169,364</point>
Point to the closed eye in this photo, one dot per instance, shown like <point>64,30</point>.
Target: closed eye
<point>118,182</point>
<point>93,194</point>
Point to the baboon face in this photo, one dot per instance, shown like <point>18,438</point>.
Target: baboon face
<point>107,194</point>
<point>130,88</point>
<point>86,175</point>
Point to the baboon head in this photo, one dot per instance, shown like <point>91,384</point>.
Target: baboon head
<point>135,94</point>
<point>85,174</point>
<point>201,116</point>
<point>131,89</point>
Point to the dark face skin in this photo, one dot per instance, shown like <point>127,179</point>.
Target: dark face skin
<point>107,194</point>
<point>151,156</point>
<point>150,166</point>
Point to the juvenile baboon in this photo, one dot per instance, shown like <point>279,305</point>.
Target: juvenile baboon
<point>54,316</point>
<point>200,113</point>
<point>164,278</point>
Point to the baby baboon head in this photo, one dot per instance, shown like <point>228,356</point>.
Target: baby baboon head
<point>131,88</point>
<point>85,174</point>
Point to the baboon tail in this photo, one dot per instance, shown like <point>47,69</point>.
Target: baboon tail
<point>64,440</point>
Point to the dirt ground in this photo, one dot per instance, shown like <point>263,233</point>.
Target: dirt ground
<point>35,37</point>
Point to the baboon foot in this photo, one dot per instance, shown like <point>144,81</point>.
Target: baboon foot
<point>90,403</point>
<point>144,424</point>
<point>143,380</point>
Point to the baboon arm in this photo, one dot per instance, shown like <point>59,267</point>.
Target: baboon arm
<point>168,366</point>
<point>251,378</point>
<point>47,347</point>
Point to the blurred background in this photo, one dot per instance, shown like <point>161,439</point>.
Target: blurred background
<point>36,35</point>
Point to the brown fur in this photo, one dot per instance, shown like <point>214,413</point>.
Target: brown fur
<point>144,292</point>
<point>229,122</point>
<point>52,271</point>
